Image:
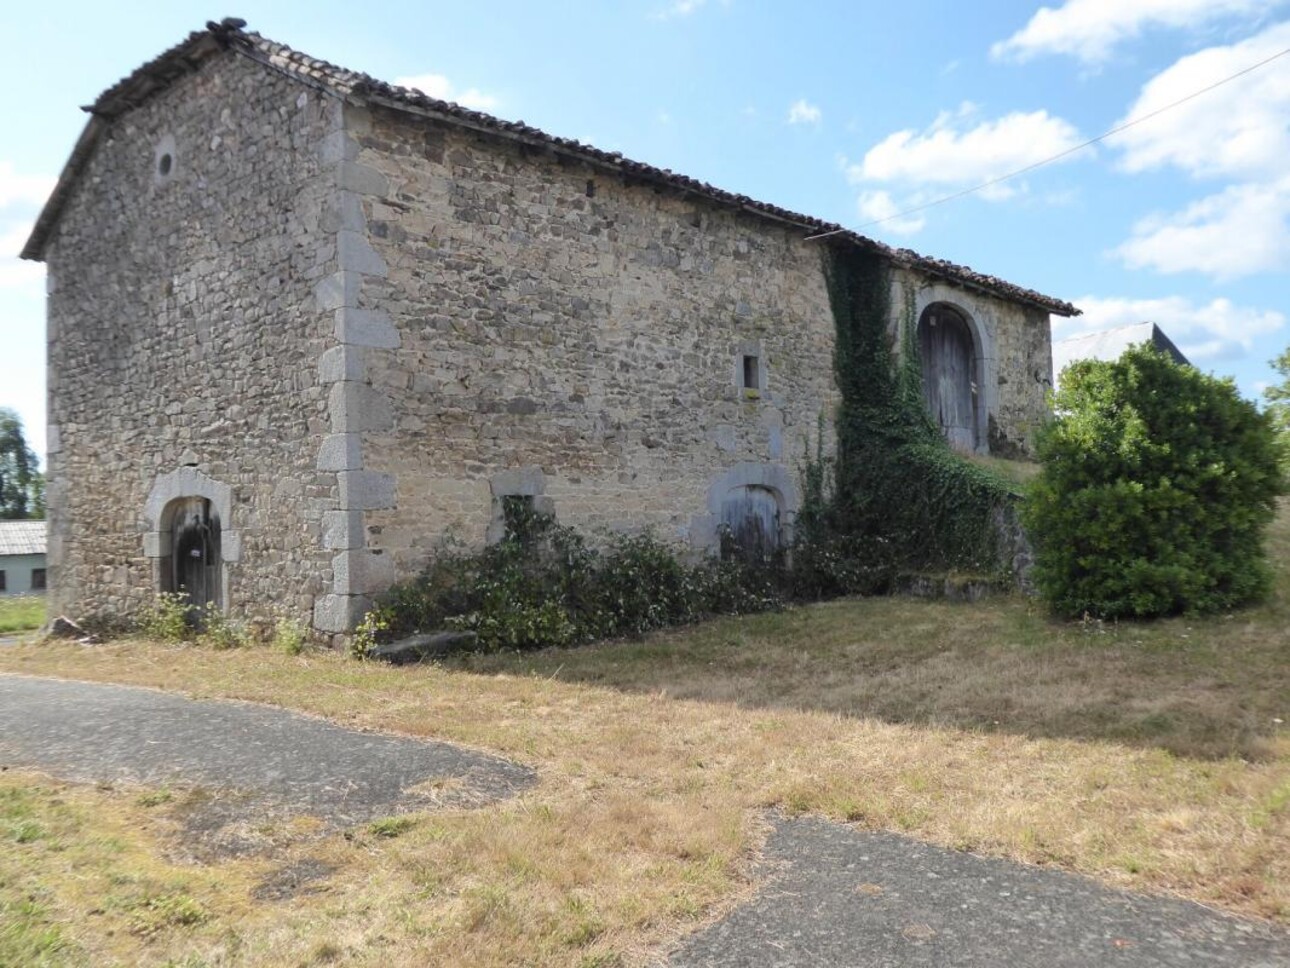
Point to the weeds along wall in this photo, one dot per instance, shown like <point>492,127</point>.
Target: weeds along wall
<point>896,480</point>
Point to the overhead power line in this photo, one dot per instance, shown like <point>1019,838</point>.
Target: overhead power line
<point>1061,154</point>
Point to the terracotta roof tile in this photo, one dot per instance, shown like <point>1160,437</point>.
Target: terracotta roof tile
<point>160,71</point>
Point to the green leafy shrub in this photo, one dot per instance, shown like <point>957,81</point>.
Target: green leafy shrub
<point>217,630</point>
<point>544,585</point>
<point>166,618</point>
<point>1158,482</point>
<point>289,635</point>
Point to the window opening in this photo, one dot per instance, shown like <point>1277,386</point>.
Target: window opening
<point>752,372</point>
<point>38,579</point>
<point>2,585</point>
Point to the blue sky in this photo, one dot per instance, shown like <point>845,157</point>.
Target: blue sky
<point>849,111</point>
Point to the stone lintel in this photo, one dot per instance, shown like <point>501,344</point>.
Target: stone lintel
<point>188,482</point>
<point>528,481</point>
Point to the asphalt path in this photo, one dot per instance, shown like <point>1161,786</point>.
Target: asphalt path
<point>848,898</point>
<point>832,895</point>
<point>244,755</point>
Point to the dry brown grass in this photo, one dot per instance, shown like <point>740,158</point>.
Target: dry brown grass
<point>1146,756</point>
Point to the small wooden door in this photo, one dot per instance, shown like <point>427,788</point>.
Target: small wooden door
<point>194,556</point>
<point>949,375</point>
<point>751,516</point>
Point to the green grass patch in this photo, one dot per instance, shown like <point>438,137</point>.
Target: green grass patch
<point>21,613</point>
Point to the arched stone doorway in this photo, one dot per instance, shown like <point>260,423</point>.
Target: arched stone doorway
<point>188,538</point>
<point>950,361</point>
<point>750,512</point>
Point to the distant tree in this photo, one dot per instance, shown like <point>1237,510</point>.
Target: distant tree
<point>1278,396</point>
<point>1158,482</point>
<point>22,486</point>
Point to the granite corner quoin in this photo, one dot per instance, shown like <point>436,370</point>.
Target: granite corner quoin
<point>303,326</point>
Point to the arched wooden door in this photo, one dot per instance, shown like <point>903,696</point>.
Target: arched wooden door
<point>948,358</point>
<point>750,515</point>
<point>194,570</point>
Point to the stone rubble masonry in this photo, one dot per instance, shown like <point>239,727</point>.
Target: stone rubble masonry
<point>362,329</point>
<point>185,339</point>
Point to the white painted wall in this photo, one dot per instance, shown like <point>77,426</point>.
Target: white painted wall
<point>17,573</point>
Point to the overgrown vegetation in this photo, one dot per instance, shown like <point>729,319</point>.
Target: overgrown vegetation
<point>1157,486</point>
<point>899,485</point>
<point>896,498</point>
<point>543,584</point>
<point>172,617</point>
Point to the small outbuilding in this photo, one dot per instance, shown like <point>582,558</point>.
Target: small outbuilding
<point>1109,344</point>
<point>22,557</point>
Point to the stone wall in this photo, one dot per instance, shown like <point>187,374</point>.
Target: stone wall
<point>184,341</point>
<point>564,334</point>
<point>1015,353</point>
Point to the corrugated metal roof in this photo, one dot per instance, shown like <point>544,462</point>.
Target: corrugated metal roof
<point>22,537</point>
<point>186,57</point>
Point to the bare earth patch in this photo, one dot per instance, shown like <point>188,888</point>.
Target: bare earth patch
<point>1150,757</point>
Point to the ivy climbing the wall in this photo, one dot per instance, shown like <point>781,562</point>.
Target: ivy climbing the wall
<point>897,480</point>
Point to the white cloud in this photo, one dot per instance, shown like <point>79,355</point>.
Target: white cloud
<point>1240,231</point>
<point>1090,30</point>
<point>16,189</point>
<point>803,112</point>
<point>879,206</point>
<point>438,86</point>
<point>1205,331</point>
<point>1237,130</point>
<point>948,153</point>
<point>683,8</point>
<point>956,151</point>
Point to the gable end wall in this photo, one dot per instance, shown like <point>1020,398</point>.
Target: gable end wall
<point>184,334</point>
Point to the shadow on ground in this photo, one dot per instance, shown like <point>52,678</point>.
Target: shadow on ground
<point>1206,688</point>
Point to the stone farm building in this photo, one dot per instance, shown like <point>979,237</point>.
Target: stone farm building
<point>303,325</point>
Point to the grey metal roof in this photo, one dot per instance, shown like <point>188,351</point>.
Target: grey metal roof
<point>187,56</point>
<point>22,537</point>
<point>1109,344</point>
